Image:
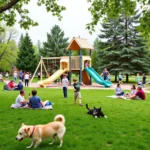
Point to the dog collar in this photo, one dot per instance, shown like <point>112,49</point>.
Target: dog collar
<point>32,132</point>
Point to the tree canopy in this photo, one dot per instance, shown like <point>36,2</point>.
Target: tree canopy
<point>124,50</point>
<point>8,48</point>
<point>10,8</point>
<point>100,9</point>
<point>56,43</point>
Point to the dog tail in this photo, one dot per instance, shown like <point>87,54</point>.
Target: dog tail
<point>60,117</point>
<point>87,107</point>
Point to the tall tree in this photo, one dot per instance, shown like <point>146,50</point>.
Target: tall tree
<point>56,43</point>
<point>27,59</point>
<point>102,9</point>
<point>124,49</point>
<point>8,48</point>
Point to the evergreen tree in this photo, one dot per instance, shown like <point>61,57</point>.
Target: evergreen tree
<point>56,44</point>
<point>124,49</point>
<point>27,59</point>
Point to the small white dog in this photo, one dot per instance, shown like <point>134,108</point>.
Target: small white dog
<point>39,132</point>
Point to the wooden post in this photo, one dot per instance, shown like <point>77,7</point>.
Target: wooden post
<point>70,65</point>
<point>80,74</point>
<point>45,68</point>
<point>91,66</point>
<point>41,70</point>
<point>35,71</point>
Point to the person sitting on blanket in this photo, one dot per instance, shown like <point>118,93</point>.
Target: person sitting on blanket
<point>11,85</point>
<point>118,90</point>
<point>19,86</point>
<point>35,101</point>
<point>139,95</point>
<point>20,101</point>
<point>132,92</point>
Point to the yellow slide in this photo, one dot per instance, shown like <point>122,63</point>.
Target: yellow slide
<point>52,78</point>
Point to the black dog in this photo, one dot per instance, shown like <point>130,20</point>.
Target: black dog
<point>96,112</point>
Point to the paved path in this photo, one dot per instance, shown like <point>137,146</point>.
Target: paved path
<point>94,86</point>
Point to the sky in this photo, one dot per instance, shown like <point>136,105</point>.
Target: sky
<point>73,23</point>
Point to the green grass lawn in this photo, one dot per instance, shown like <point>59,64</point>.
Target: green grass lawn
<point>126,128</point>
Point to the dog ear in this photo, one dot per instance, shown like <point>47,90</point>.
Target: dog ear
<point>23,124</point>
<point>100,108</point>
<point>94,107</point>
<point>27,131</point>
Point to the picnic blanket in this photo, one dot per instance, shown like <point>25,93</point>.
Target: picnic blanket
<point>120,97</point>
<point>46,107</point>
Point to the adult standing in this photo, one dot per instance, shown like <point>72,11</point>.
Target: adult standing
<point>143,79</point>
<point>105,74</point>
<point>20,74</point>
<point>64,84</point>
<point>39,75</point>
<point>26,78</point>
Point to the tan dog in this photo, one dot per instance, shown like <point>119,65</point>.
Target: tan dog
<point>39,132</point>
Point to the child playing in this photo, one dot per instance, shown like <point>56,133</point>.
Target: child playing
<point>77,94</point>
<point>7,75</point>
<point>120,78</point>
<point>138,79</point>
<point>86,64</point>
<point>64,84</point>
<point>132,92</point>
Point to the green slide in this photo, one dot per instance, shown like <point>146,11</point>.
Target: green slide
<point>97,77</point>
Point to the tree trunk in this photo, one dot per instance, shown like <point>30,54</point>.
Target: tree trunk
<point>115,77</point>
<point>127,78</point>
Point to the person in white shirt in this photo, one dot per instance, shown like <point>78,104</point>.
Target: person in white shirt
<point>1,77</point>
<point>15,76</point>
<point>7,75</point>
<point>26,78</point>
<point>64,84</point>
<point>20,101</point>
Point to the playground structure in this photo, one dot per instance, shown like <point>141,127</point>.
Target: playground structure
<point>71,64</point>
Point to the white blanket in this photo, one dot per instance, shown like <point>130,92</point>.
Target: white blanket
<point>46,107</point>
<point>120,97</point>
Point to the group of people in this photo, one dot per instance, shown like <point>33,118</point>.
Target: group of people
<point>12,86</point>
<point>141,81</point>
<point>24,76</point>
<point>33,101</point>
<point>135,93</point>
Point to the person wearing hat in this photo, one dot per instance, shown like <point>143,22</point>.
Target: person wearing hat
<point>139,95</point>
<point>64,84</point>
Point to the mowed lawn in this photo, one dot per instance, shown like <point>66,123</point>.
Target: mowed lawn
<point>126,128</point>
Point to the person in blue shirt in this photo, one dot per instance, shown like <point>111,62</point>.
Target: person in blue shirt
<point>35,101</point>
<point>118,90</point>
